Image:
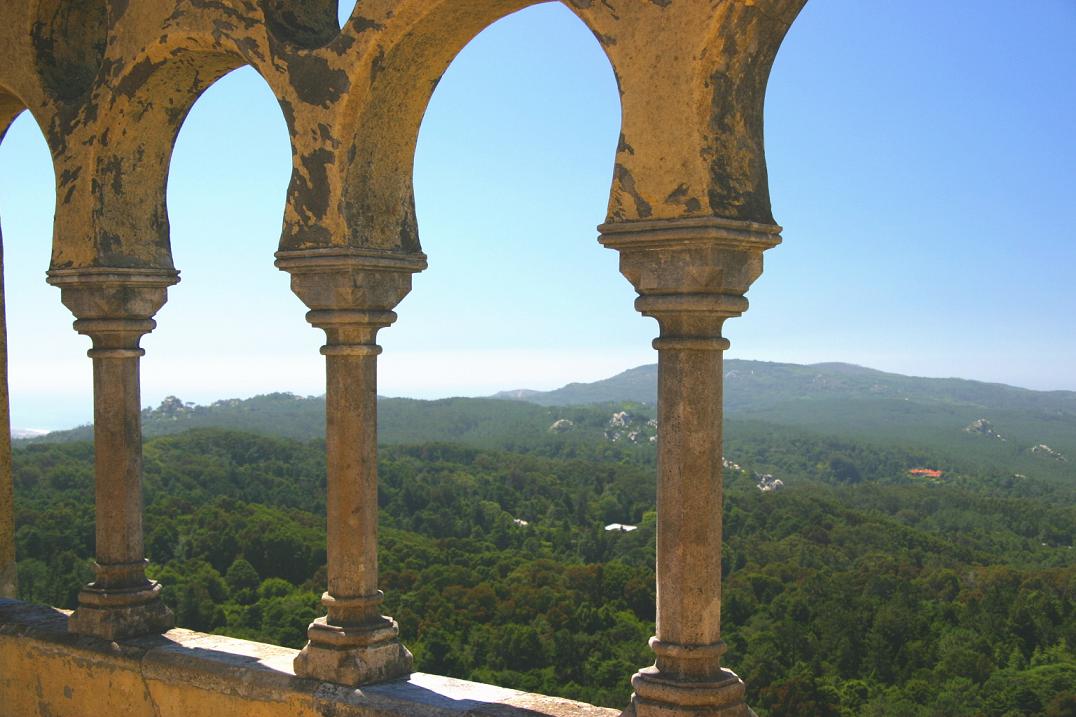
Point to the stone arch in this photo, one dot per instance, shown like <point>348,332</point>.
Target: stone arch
<point>223,192</point>
<point>124,202</point>
<point>415,48</point>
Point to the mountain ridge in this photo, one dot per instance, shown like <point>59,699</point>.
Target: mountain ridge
<point>640,384</point>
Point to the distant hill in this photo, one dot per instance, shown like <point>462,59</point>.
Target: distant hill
<point>758,385</point>
<point>981,424</point>
<point>847,400</point>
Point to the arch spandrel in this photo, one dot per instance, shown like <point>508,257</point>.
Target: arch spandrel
<point>692,100</point>
<point>125,201</point>
<point>19,80</point>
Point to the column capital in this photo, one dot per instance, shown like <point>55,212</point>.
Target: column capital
<point>350,292</point>
<point>343,279</point>
<point>114,306</point>
<point>691,274</point>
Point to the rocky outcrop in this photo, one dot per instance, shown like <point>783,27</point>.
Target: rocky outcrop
<point>1044,451</point>
<point>768,484</point>
<point>562,425</point>
<point>629,427</point>
<point>983,427</point>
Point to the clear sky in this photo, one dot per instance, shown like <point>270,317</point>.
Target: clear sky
<point>922,160</point>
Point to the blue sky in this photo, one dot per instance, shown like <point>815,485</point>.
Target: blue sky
<point>922,160</point>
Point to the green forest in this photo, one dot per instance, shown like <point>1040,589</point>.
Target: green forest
<point>856,590</point>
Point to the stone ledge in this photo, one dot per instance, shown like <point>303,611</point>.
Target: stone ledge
<point>47,672</point>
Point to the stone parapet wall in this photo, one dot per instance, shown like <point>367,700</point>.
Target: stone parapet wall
<point>47,672</point>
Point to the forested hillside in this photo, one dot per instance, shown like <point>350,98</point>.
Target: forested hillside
<point>856,590</point>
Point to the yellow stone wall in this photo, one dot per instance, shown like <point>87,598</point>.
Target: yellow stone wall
<point>46,672</point>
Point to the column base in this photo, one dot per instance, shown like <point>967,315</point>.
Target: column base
<point>354,656</point>
<point>119,614</point>
<point>657,695</point>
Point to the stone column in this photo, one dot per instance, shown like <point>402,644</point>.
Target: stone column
<point>351,294</point>
<point>8,582</point>
<point>114,307</point>
<point>691,275</point>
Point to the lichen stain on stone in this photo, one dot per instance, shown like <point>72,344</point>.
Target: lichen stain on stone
<point>376,64</point>
<point>315,82</point>
<point>117,9</point>
<point>679,196</point>
<point>626,182</point>
<point>108,243</point>
<point>67,179</point>
<point>325,135</point>
<point>113,168</point>
<point>312,192</point>
<point>136,78</point>
<point>362,24</point>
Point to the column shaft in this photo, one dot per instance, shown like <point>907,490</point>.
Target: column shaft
<point>689,502</point>
<point>117,439</point>
<point>691,275</point>
<point>354,643</point>
<point>351,445</point>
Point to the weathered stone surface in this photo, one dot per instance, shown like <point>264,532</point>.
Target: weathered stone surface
<point>45,671</point>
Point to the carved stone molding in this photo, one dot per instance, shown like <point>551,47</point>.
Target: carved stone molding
<point>691,274</point>
<point>342,279</point>
<point>114,306</point>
